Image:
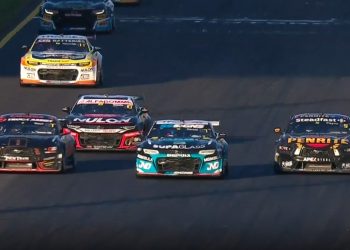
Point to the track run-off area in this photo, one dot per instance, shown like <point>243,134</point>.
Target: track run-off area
<point>249,65</point>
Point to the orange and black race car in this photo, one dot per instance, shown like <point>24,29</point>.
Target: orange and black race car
<point>108,122</point>
<point>35,143</point>
<point>314,142</point>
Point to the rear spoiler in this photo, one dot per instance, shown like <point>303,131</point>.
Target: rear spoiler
<point>137,98</point>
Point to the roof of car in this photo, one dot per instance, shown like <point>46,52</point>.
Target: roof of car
<point>320,115</point>
<point>189,122</point>
<point>125,97</point>
<point>29,115</point>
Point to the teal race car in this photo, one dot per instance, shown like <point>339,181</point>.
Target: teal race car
<point>183,148</point>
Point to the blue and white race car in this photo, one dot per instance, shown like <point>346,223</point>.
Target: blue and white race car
<point>63,16</point>
<point>183,148</point>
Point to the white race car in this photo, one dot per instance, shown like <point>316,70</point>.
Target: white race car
<point>61,60</point>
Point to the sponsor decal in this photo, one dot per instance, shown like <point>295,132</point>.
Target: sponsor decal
<point>313,140</point>
<point>345,165</point>
<point>315,159</point>
<point>188,126</point>
<point>212,158</point>
<point>15,158</point>
<point>143,157</point>
<point>318,119</point>
<point>178,146</point>
<point>101,120</point>
<point>286,163</point>
<point>29,120</point>
<point>115,102</point>
<point>213,166</point>
<point>144,165</point>
<point>183,172</point>
<point>178,155</point>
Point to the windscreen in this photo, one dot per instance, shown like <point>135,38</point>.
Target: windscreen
<point>47,45</point>
<point>192,131</point>
<point>318,126</point>
<point>28,126</point>
<point>92,1</point>
<point>104,106</point>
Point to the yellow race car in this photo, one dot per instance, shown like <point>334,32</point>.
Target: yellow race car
<point>68,60</point>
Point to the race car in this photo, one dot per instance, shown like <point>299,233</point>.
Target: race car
<point>314,142</point>
<point>108,122</point>
<point>61,60</point>
<point>183,148</point>
<point>127,1</point>
<point>88,16</point>
<point>35,143</point>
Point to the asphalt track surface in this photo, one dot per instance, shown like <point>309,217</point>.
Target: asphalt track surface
<point>250,77</point>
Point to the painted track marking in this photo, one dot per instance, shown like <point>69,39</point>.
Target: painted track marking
<point>20,26</point>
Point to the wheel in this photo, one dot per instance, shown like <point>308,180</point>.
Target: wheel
<point>63,164</point>
<point>73,163</point>
<point>277,168</point>
<point>224,172</point>
<point>99,81</point>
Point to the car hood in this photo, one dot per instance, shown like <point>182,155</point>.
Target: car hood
<point>59,55</point>
<point>74,5</point>
<point>180,143</point>
<point>28,141</point>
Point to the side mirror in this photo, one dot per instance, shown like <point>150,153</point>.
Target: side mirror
<point>97,49</point>
<point>221,135</point>
<point>143,111</point>
<point>66,109</point>
<point>278,131</point>
<point>65,131</point>
<point>25,47</point>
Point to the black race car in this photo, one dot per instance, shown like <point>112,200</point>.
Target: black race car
<point>183,148</point>
<point>77,16</point>
<point>35,143</point>
<point>314,142</point>
<point>108,122</point>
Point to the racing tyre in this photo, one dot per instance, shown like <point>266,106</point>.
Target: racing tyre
<point>63,163</point>
<point>73,163</point>
<point>224,173</point>
<point>100,78</point>
<point>277,169</point>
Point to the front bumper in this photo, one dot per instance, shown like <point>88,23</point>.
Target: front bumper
<point>149,166</point>
<point>53,164</point>
<point>104,24</point>
<point>58,75</point>
<point>333,164</point>
<point>117,142</point>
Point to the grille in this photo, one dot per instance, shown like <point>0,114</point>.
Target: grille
<point>310,152</point>
<point>178,164</point>
<point>90,139</point>
<point>17,151</point>
<point>58,74</point>
<point>73,18</point>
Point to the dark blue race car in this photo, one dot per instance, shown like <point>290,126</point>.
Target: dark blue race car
<point>77,16</point>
